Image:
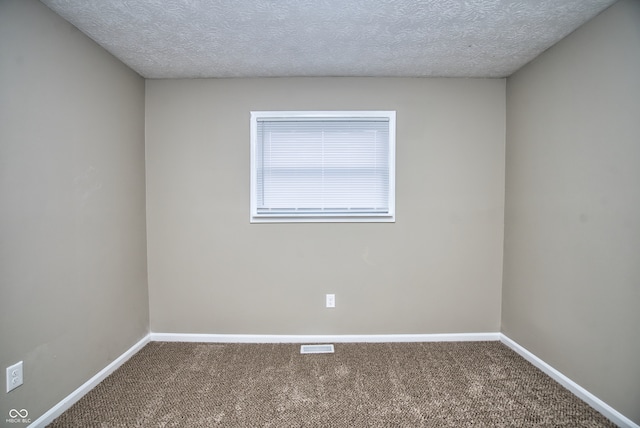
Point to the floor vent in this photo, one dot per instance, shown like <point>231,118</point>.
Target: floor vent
<point>316,349</point>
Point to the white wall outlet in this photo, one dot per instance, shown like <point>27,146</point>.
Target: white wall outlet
<point>331,300</point>
<point>14,376</point>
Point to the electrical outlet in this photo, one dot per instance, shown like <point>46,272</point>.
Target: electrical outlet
<point>14,376</point>
<point>331,300</point>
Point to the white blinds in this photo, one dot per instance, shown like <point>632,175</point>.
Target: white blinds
<point>322,166</point>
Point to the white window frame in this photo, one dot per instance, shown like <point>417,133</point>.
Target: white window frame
<point>381,217</point>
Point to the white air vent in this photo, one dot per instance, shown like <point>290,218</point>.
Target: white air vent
<point>316,349</point>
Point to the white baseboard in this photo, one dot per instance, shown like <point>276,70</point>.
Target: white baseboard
<point>76,395</point>
<point>609,412</point>
<point>311,338</point>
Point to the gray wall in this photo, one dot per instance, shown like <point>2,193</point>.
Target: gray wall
<point>572,238</point>
<point>436,270</point>
<point>73,292</point>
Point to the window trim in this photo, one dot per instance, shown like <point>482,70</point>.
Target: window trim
<point>387,217</point>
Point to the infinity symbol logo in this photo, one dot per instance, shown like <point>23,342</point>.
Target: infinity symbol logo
<point>13,413</point>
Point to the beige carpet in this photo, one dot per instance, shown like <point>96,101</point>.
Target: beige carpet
<point>459,384</point>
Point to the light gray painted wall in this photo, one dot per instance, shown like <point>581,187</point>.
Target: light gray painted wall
<point>436,270</point>
<point>73,292</point>
<point>572,238</point>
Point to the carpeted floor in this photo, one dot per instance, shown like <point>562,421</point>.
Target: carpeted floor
<point>445,384</point>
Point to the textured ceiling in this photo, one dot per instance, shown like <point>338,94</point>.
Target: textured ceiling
<point>257,38</point>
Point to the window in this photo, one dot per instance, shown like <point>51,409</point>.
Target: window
<point>333,166</point>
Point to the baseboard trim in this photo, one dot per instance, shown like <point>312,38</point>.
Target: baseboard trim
<point>76,395</point>
<point>609,412</point>
<point>311,338</point>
